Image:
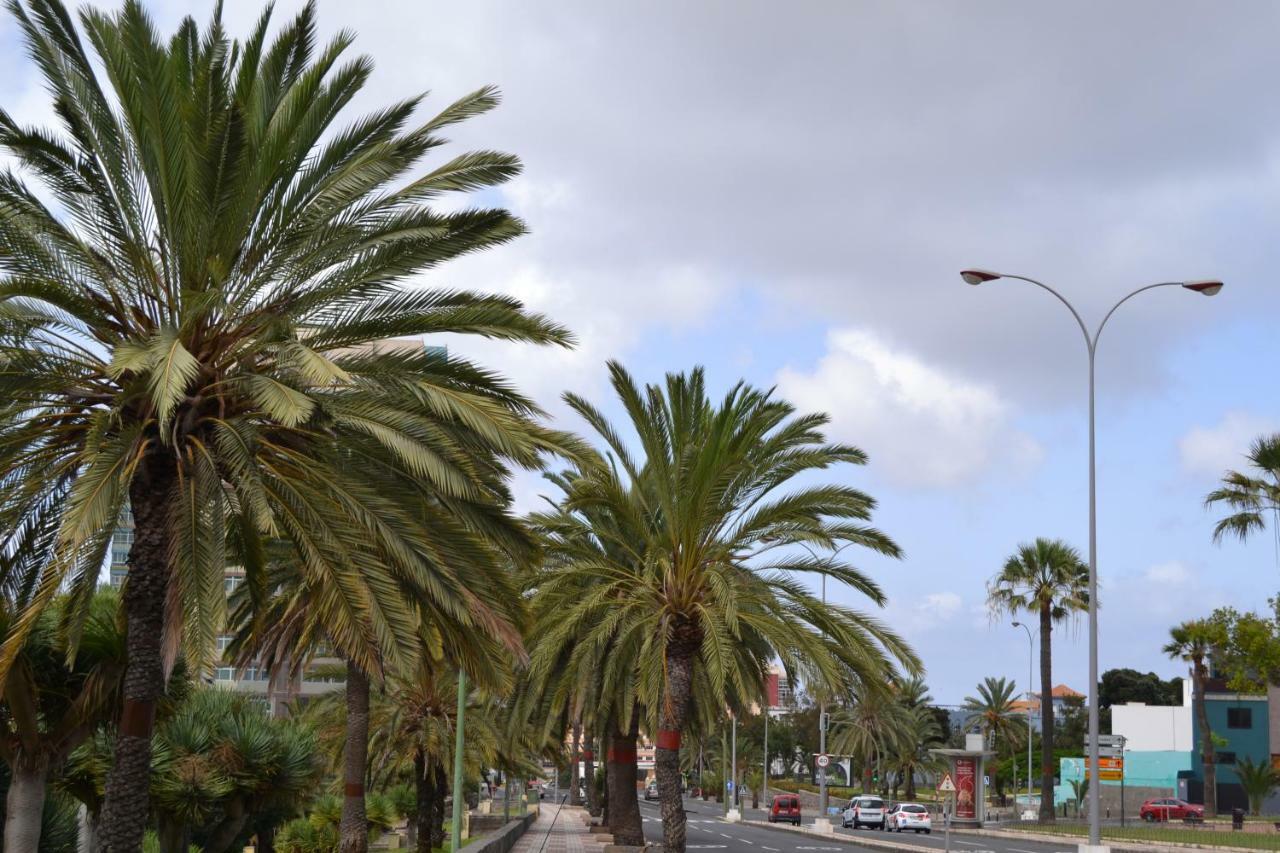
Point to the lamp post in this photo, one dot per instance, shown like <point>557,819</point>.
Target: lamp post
<point>822,706</point>
<point>455,824</point>
<point>1030,681</point>
<point>1204,287</point>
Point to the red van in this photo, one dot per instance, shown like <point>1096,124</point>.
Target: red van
<point>785,809</point>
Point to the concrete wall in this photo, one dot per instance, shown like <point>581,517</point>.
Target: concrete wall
<point>1154,774</point>
<point>1153,728</point>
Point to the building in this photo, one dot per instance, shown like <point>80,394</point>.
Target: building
<point>778,692</point>
<point>1243,723</point>
<point>1062,695</point>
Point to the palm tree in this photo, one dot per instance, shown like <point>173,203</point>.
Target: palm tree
<point>1046,578</point>
<point>198,329</point>
<point>1193,642</point>
<point>717,501</point>
<point>1250,497</point>
<point>1259,779</point>
<point>875,727</point>
<point>52,706</point>
<point>992,711</point>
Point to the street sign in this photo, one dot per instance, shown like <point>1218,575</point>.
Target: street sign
<point>1106,740</point>
<point>824,760</point>
<point>1110,769</point>
<point>946,784</point>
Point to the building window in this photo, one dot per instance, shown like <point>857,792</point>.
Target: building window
<point>1239,718</point>
<point>1224,758</point>
<point>225,673</point>
<point>223,642</point>
<point>231,582</point>
<point>256,673</point>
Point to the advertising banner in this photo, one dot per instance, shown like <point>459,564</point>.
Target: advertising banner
<point>966,789</point>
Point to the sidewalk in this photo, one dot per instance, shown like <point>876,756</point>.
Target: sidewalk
<point>565,832</point>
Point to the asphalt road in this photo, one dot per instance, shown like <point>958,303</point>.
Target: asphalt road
<point>708,831</point>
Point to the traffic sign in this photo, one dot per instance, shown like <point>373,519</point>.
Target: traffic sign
<point>824,760</point>
<point>1106,740</point>
<point>946,784</point>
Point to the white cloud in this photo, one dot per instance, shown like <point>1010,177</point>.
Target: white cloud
<point>921,425</point>
<point>1215,449</point>
<point>1172,573</point>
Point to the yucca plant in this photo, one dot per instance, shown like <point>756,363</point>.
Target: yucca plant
<point>198,328</point>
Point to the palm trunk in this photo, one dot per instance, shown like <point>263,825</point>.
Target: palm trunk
<point>126,805</point>
<point>607,743</point>
<point>1207,756</point>
<point>674,716</point>
<point>229,828</point>
<point>266,840</point>
<point>589,770</point>
<point>354,829</point>
<point>437,806</point>
<point>910,774</point>
<point>424,786</point>
<point>1046,715</point>
<point>625,823</point>
<point>574,799</point>
<point>25,805</point>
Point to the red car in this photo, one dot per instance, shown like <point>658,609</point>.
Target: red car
<point>1170,808</point>
<point>785,809</point>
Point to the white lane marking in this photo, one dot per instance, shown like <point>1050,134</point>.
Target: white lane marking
<point>966,843</point>
<point>722,835</point>
<point>774,849</point>
<point>745,841</point>
<point>1020,850</point>
<point>706,846</point>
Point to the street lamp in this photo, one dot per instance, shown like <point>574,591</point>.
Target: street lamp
<point>1204,287</point>
<point>1030,658</point>
<point>822,704</point>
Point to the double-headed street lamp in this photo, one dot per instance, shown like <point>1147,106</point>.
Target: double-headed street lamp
<point>1207,288</point>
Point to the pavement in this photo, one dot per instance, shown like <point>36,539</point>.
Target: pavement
<point>707,830</point>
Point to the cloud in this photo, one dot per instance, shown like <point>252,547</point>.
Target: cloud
<point>1172,573</point>
<point>1212,450</point>
<point>921,425</point>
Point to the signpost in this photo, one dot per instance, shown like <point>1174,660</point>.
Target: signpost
<point>824,761</point>
<point>946,786</point>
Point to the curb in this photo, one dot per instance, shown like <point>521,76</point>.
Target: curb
<point>1113,843</point>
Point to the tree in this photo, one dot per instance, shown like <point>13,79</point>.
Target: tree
<point>1194,642</point>
<point>52,705</point>
<point>1249,498</point>
<point>198,328</point>
<point>720,496</point>
<point>872,729</point>
<point>992,711</point>
<point>1258,779</point>
<point>1248,656</point>
<point>1119,686</point>
<point>1046,578</point>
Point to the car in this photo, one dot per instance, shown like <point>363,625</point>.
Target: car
<point>913,817</point>
<point>864,811</point>
<point>785,808</point>
<point>1171,808</point>
<point>651,791</point>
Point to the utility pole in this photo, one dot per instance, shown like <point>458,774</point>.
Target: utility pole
<point>765,776</point>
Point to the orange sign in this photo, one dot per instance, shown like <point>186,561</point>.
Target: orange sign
<point>1109,769</point>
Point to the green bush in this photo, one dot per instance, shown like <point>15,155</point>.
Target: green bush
<point>304,836</point>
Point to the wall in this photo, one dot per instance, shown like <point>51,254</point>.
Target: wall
<point>1153,728</point>
<point>1147,774</point>
<point>1253,742</point>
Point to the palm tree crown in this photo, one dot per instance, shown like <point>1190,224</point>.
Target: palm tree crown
<point>992,711</point>
<point>1250,498</point>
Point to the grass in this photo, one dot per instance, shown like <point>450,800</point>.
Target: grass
<point>1268,840</point>
<point>448,848</point>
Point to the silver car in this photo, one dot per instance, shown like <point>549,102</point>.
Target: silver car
<point>651,791</point>
<point>864,811</point>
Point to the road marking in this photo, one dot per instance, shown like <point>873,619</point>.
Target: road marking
<point>967,843</point>
<point>1020,850</point>
<point>722,835</point>
<point>745,841</point>
<point>774,849</point>
<point>706,846</point>
<point>820,848</point>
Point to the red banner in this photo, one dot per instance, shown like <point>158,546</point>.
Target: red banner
<point>966,788</point>
<point>668,739</point>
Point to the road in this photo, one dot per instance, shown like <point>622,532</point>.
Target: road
<point>708,831</point>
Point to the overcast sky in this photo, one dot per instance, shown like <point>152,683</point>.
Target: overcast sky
<point>786,191</point>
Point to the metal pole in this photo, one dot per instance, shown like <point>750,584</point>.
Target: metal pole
<point>765,777</point>
<point>1091,341</point>
<point>1031,655</point>
<point>724,767</point>
<point>455,827</point>
<point>737,798</point>
<point>822,735</point>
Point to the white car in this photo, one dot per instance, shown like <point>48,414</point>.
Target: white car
<point>910,817</point>
<point>864,811</point>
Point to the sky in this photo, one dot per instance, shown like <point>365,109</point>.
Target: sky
<point>785,193</point>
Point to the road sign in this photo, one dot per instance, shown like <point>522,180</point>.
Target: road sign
<point>946,784</point>
<point>1106,740</point>
<point>824,760</point>
<point>1110,769</point>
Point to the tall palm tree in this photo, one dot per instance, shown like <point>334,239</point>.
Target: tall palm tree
<point>1250,497</point>
<point>196,328</point>
<point>1193,642</point>
<point>720,498</point>
<point>1046,578</point>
